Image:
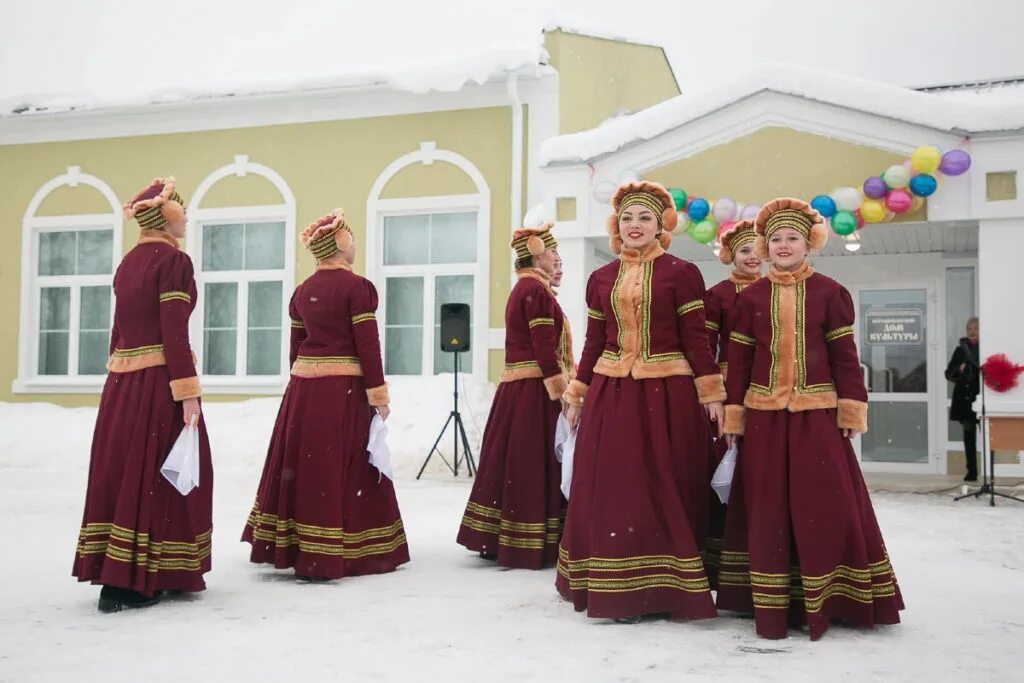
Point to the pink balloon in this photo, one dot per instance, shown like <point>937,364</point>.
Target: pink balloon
<point>860,221</point>
<point>899,201</point>
<point>725,227</point>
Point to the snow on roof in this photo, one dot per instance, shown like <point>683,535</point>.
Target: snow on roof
<point>1004,91</point>
<point>950,114</point>
<point>108,53</point>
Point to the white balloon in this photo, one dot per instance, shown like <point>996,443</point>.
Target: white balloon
<point>749,212</point>
<point>534,218</point>
<point>604,191</point>
<point>847,198</point>
<point>628,176</point>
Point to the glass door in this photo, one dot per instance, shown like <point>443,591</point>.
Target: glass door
<point>896,357</point>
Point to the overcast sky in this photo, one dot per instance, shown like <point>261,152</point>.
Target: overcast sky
<point>64,46</point>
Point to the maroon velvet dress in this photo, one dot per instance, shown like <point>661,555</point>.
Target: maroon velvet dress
<point>321,507</point>
<point>637,516</point>
<point>516,508</point>
<point>802,543</point>
<point>138,532</point>
<point>718,306</point>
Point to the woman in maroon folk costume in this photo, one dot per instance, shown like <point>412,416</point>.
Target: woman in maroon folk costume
<point>140,536</point>
<point>638,505</point>
<point>321,507</point>
<point>737,250</point>
<point>514,513</point>
<point>802,544</point>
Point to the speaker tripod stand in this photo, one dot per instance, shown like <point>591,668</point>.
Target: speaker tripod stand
<point>460,436</point>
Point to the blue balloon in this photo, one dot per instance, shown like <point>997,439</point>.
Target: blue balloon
<point>923,185</point>
<point>699,210</point>
<point>824,205</point>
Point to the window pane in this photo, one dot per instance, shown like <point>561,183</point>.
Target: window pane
<point>219,352</point>
<point>57,253</point>
<point>264,246</point>
<point>894,343</point>
<point>265,305</point>
<point>93,348</point>
<point>221,306</point>
<point>899,433</point>
<point>95,252</point>
<point>95,313</point>
<point>53,353</point>
<point>959,309</point>
<point>222,247</point>
<point>445,361</point>
<point>453,238</point>
<point>54,308</point>
<point>264,352</point>
<point>406,240</point>
<point>403,348</point>
<point>404,301</point>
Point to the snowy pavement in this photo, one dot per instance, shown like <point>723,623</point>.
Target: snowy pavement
<point>449,616</point>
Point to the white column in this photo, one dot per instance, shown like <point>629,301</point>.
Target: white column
<point>572,294</point>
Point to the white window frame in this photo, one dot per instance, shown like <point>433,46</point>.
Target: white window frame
<point>29,381</point>
<point>198,218</point>
<point>480,201</point>
<point>428,271</point>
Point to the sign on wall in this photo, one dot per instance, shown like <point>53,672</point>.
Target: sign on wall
<point>891,327</point>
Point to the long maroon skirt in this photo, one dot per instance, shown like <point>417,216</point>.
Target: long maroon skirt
<point>716,513</point>
<point>321,507</point>
<point>802,542</point>
<point>516,508</point>
<point>640,479</point>
<point>137,531</point>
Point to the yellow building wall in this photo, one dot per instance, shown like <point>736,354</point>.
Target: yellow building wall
<point>777,162</point>
<point>326,164</point>
<point>600,78</point>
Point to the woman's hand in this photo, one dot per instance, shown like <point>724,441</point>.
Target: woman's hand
<point>730,439</point>
<point>716,413</point>
<point>383,411</point>
<point>192,411</point>
<point>848,433</point>
<point>572,416</point>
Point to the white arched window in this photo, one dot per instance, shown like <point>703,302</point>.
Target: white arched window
<point>244,258</point>
<point>67,270</point>
<point>423,252</point>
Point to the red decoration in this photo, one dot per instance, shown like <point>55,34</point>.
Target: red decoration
<point>1001,373</point>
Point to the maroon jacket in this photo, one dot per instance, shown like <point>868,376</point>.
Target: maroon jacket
<point>718,306</point>
<point>537,340</point>
<point>155,294</point>
<point>334,329</point>
<point>646,319</point>
<point>792,348</point>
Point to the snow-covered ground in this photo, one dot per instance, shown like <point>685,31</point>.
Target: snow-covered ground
<point>447,615</point>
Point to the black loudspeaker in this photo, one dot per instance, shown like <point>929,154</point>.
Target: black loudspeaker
<point>455,327</point>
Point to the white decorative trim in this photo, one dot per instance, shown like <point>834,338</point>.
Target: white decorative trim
<point>377,208</point>
<point>241,167</point>
<point>28,381</point>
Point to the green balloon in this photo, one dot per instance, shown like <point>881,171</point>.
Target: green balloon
<point>678,197</point>
<point>844,223</point>
<point>704,231</point>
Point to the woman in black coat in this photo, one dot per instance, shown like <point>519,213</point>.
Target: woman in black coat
<point>963,371</point>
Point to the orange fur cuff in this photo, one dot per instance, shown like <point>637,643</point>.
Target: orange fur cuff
<point>556,386</point>
<point>378,396</point>
<point>710,388</point>
<point>735,419</point>
<point>853,415</point>
<point>575,393</point>
<point>187,387</point>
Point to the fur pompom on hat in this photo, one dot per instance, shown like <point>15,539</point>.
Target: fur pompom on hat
<point>786,212</point>
<point>649,195</point>
<point>731,241</point>
<point>321,238</point>
<point>533,241</point>
<point>156,206</point>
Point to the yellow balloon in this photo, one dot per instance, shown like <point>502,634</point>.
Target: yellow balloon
<point>926,159</point>
<point>872,211</point>
<point>916,204</point>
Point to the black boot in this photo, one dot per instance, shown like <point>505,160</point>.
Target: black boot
<point>302,578</point>
<point>113,599</point>
<point>629,620</point>
<point>971,450</point>
<point>484,555</point>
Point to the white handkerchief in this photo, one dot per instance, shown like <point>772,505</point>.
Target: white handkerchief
<point>568,450</point>
<point>181,467</point>
<point>380,455</point>
<point>561,434</point>
<point>721,482</point>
